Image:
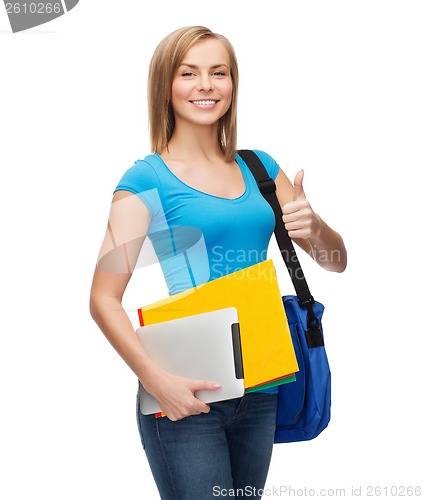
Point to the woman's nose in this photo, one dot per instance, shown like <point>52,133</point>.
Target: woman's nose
<point>205,84</point>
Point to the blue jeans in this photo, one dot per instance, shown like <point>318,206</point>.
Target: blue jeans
<point>212,454</point>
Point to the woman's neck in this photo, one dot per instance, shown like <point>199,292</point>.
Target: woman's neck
<point>194,143</point>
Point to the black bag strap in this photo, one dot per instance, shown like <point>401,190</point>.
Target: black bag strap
<point>267,188</point>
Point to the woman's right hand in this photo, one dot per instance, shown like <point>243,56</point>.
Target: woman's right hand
<point>176,395</point>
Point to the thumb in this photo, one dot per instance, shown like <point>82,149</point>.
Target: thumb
<point>298,186</point>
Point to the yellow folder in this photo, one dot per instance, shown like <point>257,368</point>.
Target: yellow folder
<point>266,345</point>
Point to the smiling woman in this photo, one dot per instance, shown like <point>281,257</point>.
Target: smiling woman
<point>180,56</point>
<point>202,89</point>
<point>195,179</point>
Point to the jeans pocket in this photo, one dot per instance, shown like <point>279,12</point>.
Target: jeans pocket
<point>139,415</point>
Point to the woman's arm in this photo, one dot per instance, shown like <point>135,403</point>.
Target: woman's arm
<point>306,228</point>
<point>127,226</point>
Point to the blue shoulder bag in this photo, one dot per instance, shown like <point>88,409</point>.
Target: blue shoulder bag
<point>303,410</point>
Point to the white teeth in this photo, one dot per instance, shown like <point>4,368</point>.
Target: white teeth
<point>204,103</point>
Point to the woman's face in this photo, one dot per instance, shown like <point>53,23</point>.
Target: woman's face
<point>202,87</point>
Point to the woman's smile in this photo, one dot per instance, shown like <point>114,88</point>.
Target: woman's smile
<point>205,103</point>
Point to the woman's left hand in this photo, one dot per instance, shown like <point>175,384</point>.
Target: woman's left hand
<point>300,220</point>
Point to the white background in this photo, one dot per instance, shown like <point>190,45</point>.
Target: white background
<point>334,87</point>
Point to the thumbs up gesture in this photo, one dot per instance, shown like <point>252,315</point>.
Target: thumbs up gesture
<point>298,216</point>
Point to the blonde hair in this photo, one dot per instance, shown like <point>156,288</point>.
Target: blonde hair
<point>165,61</point>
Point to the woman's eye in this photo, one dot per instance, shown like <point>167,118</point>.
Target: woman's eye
<point>219,73</point>
<point>187,74</point>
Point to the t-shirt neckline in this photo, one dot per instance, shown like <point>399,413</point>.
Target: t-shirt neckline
<point>237,159</point>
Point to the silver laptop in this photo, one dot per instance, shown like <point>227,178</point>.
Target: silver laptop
<point>204,346</point>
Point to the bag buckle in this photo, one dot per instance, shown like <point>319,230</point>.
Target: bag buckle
<point>312,321</point>
<point>307,302</point>
<point>313,333</point>
<point>267,186</point>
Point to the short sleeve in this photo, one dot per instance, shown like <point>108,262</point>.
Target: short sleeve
<point>142,180</point>
<point>270,164</point>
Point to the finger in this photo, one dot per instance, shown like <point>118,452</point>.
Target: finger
<point>206,409</point>
<point>299,234</point>
<point>294,225</point>
<point>205,385</point>
<point>295,207</point>
<point>298,186</point>
<point>198,406</point>
<point>303,225</point>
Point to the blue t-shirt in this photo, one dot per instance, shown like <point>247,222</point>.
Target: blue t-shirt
<point>199,237</point>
